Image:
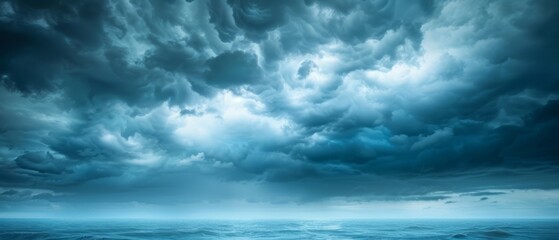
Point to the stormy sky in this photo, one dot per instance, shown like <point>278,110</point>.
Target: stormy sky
<point>246,108</point>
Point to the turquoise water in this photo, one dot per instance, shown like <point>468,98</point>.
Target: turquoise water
<point>374,229</point>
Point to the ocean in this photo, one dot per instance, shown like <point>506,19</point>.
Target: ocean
<point>284,229</point>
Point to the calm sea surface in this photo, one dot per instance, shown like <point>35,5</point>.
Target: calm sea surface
<point>353,229</point>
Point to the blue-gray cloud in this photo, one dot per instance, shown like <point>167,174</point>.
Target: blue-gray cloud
<point>169,101</point>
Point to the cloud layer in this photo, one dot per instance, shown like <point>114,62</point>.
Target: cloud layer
<point>171,102</point>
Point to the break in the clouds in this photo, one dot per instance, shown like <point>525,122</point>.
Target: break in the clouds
<point>279,105</point>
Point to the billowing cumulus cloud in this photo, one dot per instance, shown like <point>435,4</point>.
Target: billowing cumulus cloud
<point>269,102</point>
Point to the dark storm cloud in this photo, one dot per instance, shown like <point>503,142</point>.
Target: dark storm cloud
<point>477,194</point>
<point>256,18</point>
<point>232,69</point>
<point>305,68</point>
<point>33,56</point>
<point>428,198</point>
<point>221,17</point>
<point>41,164</point>
<point>13,195</point>
<point>356,21</point>
<point>278,101</point>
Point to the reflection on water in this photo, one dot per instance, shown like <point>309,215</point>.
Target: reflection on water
<point>190,229</point>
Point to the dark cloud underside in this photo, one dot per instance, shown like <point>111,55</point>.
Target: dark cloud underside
<point>277,101</point>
